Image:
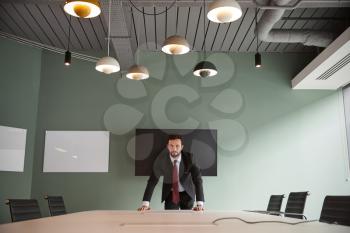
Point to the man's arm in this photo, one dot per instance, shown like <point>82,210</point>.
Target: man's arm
<point>151,184</point>
<point>198,182</point>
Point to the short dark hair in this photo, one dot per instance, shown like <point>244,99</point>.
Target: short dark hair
<point>175,136</point>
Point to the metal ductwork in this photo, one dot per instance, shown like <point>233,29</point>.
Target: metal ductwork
<point>307,37</point>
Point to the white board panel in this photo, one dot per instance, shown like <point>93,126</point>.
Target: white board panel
<point>12,148</point>
<point>76,151</point>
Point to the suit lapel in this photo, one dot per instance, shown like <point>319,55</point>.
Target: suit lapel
<point>169,164</point>
<point>181,169</point>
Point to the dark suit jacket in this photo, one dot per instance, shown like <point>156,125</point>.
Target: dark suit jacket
<point>189,177</point>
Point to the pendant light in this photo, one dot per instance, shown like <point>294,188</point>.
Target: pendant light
<point>204,68</point>
<point>224,11</point>
<point>257,60</point>
<point>68,54</point>
<point>67,58</point>
<point>108,64</point>
<point>137,72</point>
<point>175,44</point>
<point>83,8</point>
<point>257,55</point>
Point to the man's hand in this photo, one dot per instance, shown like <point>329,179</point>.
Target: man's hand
<point>198,208</point>
<point>143,208</point>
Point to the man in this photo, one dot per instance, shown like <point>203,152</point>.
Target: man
<point>182,180</point>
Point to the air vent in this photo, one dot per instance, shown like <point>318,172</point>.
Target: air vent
<point>330,69</point>
<point>340,64</point>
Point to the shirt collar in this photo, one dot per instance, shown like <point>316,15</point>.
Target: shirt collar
<point>178,158</point>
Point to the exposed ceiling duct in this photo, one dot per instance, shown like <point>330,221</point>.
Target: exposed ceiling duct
<point>270,17</point>
<point>120,35</point>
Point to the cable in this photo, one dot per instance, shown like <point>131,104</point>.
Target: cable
<point>257,222</point>
<point>70,19</point>
<point>109,26</point>
<point>46,47</point>
<point>166,8</point>
<point>256,29</point>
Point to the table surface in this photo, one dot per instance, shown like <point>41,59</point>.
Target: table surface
<point>169,222</point>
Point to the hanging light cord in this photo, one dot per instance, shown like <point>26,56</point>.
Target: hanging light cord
<point>204,28</point>
<point>70,19</point>
<point>256,29</point>
<point>159,13</point>
<point>109,26</point>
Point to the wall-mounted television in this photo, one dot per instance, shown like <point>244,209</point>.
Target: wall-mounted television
<point>150,143</point>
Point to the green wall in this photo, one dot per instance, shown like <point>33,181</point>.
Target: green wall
<point>19,93</point>
<point>271,139</point>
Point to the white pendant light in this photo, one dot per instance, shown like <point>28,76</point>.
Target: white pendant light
<point>108,64</point>
<point>137,72</point>
<point>83,8</point>
<point>224,11</point>
<point>175,45</point>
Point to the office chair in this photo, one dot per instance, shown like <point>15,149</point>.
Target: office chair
<point>23,209</point>
<point>273,207</point>
<point>336,210</point>
<point>56,205</point>
<point>275,203</point>
<point>295,205</point>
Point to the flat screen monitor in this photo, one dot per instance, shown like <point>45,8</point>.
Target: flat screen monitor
<point>150,143</point>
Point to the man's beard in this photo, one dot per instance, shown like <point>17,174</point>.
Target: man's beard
<point>174,154</point>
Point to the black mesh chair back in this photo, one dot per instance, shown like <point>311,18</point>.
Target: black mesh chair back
<point>336,209</point>
<point>296,204</point>
<point>275,203</point>
<point>56,205</point>
<point>23,209</point>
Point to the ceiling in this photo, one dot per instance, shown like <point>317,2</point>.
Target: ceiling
<point>46,22</point>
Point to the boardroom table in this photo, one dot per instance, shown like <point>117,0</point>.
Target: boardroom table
<point>108,221</point>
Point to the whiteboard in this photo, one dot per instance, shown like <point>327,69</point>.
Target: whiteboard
<point>76,151</point>
<point>12,148</point>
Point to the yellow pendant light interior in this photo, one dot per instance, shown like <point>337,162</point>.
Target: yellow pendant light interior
<point>83,8</point>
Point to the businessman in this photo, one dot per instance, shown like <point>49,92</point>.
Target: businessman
<point>182,179</point>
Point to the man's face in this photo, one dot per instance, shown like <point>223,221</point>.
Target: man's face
<point>175,146</point>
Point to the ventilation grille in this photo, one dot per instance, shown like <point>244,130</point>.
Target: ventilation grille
<point>340,64</point>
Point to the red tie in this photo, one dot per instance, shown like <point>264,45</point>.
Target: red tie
<point>176,196</point>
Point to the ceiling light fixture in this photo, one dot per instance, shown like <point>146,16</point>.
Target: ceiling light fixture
<point>204,68</point>
<point>137,72</point>
<point>257,55</point>
<point>108,64</point>
<point>83,8</point>
<point>257,60</point>
<point>67,58</point>
<point>175,45</point>
<point>68,54</point>
<point>224,11</point>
